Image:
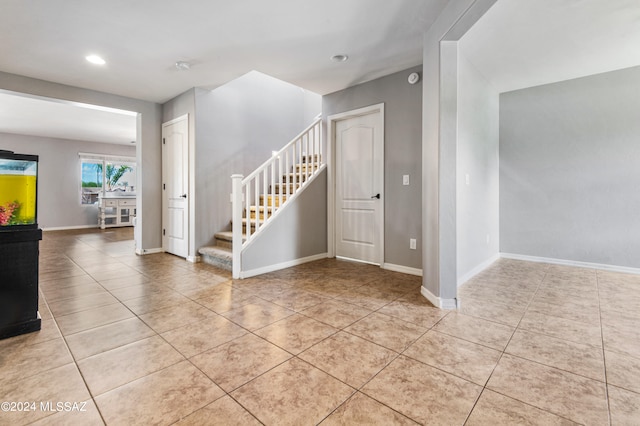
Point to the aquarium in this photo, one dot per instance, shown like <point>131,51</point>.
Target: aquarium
<point>18,182</point>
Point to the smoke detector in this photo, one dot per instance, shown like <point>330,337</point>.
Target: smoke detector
<point>183,66</point>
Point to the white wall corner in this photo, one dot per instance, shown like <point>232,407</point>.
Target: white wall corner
<point>479,268</point>
<point>437,301</point>
<point>194,259</point>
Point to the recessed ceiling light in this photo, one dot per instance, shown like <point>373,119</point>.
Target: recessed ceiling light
<point>95,59</point>
<point>339,58</point>
<point>183,66</point>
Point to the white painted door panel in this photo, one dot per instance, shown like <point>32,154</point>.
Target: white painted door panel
<point>175,171</point>
<point>359,185</point>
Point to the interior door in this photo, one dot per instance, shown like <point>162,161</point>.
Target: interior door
<point>175,185</point>
<point>359,147</point>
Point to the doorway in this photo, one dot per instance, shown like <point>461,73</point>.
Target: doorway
<point>175,186</point>
<point>357,203</point>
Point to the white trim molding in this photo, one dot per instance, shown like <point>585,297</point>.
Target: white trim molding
<point>576,263</point>
<point>194,259</point>
<point>66,228</point>
<point>402,269</point>
<point>439,302</point>
<point>479,268</point>
<point>142,252</point>
<point>270,268</point>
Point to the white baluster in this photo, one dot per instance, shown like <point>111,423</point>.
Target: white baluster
<point>247,212</point>
<point>236,220</point>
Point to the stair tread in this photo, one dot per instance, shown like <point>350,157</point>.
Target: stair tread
<point>216,251</point>
<point>228,236</point>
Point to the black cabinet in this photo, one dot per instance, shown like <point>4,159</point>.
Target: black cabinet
<point>19,281</point>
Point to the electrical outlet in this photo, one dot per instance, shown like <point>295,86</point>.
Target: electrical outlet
<point>405,179</point>
<point>412,243</point>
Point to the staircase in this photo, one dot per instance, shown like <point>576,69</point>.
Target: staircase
<point>258,197</point>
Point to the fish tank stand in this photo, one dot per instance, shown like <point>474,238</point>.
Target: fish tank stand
<point>19,241</point>
<point>19,282</point>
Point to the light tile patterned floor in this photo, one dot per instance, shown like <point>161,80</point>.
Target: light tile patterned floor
<point>156,340</point>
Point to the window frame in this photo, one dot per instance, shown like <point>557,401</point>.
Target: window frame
<point>103,160</point>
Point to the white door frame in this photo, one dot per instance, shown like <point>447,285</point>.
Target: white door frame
<point>190,199</point>
<point>331,174</point>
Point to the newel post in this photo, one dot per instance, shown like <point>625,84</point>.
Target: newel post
<point>236,221</point>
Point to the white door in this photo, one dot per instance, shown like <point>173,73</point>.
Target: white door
<point>359,147</point>
<point>175,180</point>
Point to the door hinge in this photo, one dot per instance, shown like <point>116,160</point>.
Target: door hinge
<point>164,141</point>
<point>164,232</point>
<point>164,186</point>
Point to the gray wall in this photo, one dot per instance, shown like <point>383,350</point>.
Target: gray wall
<point>402,150</point>
<point>236,128</point>
<point>149,148</point>
<point>299,232</point>
<point>439,142</point>
<point>477,204</point>
<point>59,176</point>
<point>569,174</point>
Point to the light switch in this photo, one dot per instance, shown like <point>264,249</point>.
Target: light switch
<point>405,179</point>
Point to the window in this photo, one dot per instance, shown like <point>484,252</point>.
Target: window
<point>102,174</point>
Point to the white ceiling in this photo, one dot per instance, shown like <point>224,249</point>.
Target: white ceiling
<point>28,115</point>
<point>141,40</point>
<point>518,43</point>
<point>525,43</point>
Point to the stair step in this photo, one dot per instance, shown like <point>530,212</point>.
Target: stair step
<point>294,177</point>
<point>217,256</point>
<point>305,167</point>
<point>272,200</point>
<point>252,222</point>
<point>311,158</point>
<point>278,187</point>
<point>228,236</point>
<point>254,211</point>
<point>225,239</point>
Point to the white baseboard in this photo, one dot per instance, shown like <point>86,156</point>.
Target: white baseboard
<point>402,269</point>
<point>283,265</point>
<point>67,228</point>
<point>193,259</point>
<point>439,302</point>
<point>142,252</point>
<point>577,264</point>
<point>475,271</point>
<point>349,259</point>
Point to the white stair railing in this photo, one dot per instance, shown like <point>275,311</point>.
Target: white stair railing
<point>268,188</point>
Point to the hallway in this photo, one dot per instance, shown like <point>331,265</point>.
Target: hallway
<point>157,340</point>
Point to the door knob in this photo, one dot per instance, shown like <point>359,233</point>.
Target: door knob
<point>376,196</point>
<point>183,196</point>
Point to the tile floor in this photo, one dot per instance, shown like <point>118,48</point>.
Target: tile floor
<point>156,340</point>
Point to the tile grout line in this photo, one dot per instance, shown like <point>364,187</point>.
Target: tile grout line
<point>515,329</point>
<point>75,362</point>
<point>604,355</point>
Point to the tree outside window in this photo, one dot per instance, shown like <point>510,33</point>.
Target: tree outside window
<point>100,176</point>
